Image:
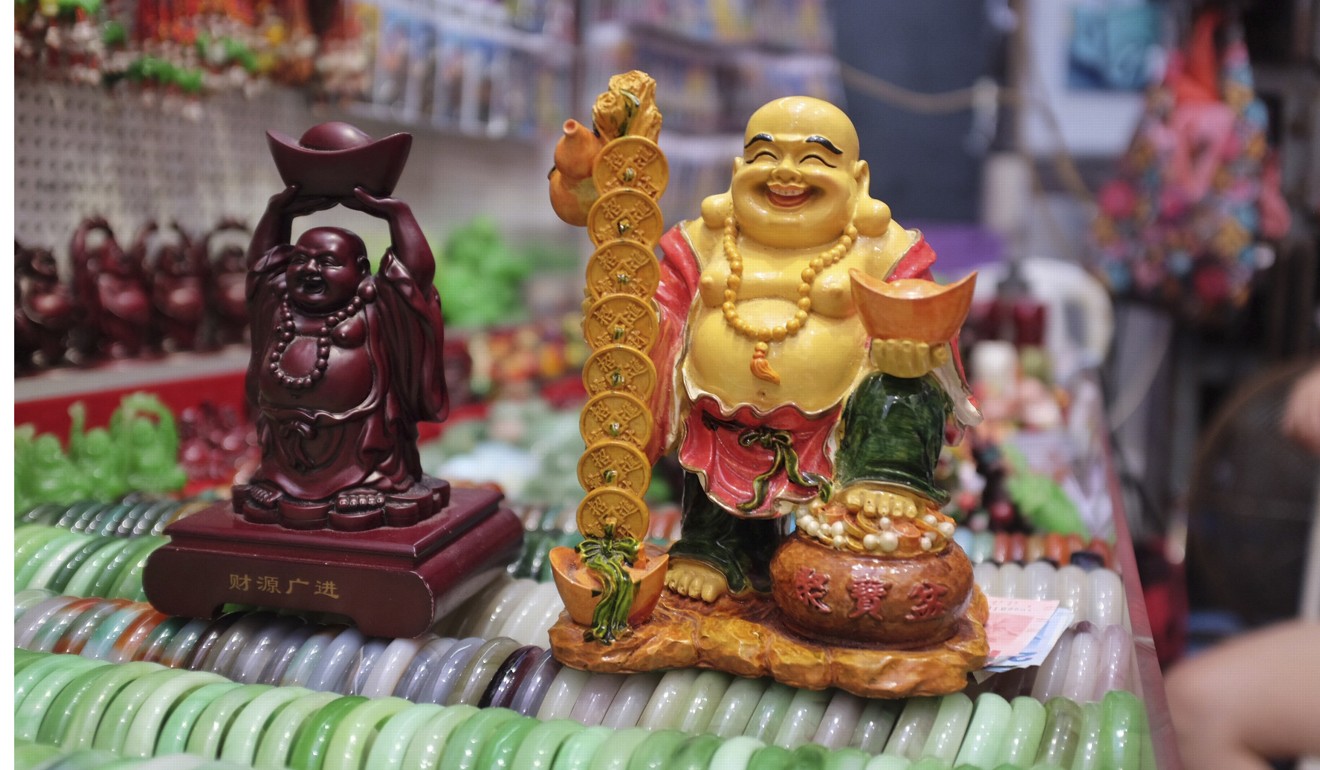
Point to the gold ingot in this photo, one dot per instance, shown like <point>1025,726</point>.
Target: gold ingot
<point>626,214</point>
<point>623,512</point>
<point>621,320</point>
<point>619,367</point>
<point>616,416</point>
<point>622,267</point>
<point>632,162</point>
<point>614,464</point>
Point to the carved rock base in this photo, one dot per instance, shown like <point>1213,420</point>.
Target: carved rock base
<point>748,638</point>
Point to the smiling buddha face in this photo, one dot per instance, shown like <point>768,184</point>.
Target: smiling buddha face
<point>327,265</point>
<point>799,179</point>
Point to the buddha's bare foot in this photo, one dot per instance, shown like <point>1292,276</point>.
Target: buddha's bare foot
<point>876,503</point>
<point>696,580</point>
<point>264,495</point>
<point>353,500</point>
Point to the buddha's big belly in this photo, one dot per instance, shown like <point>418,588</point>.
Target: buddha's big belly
<point>817,366</point>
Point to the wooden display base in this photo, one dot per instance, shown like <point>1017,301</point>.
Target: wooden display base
<point>391,581</point>
<point>745,637</point>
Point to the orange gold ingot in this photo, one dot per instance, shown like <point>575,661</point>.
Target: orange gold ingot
<point>615,416</point>
<point>626,214</point>
<point>621,368</point>
<point>911,308</point>
<point>614,464</point>
<point>580,588</point>
<point>619,319</point>
<point>622,267</point>
<point>617,510</point>
<point>632,162</point>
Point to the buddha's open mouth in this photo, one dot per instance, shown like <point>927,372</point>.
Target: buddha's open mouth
<point>787,197</point>
<point>313,285</point>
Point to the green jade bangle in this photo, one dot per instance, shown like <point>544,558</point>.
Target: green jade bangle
<point>736,753</point>
<point>502,745</point>
<point>579,749</point>
<point>94,523</point>
<point>87,713</point>
<point>630,700</point>
<point>474,680</point>
<point>113,728</point>
<point>245,732</point>
<point>949,728</point>
<point>463,748</point>
<point>389,668</point>
<point>111,572</point>
<point>34,756</point>
<point>930,763</point>
<point>847,759</point>
<point>696,754</point>
<point>596,697</point>
<point>309,750</point>
<point>802,718</point>
<point>78,515</point>
<point>102,640</point>
<point>913,727</point>
<point>358,731</point>
<point>55,722</point>
<point>395,735</point>
<point>126,647</point>
<point>769,713</point>
<point>34,544</point>
<point>669,703</point>
<point>1058,745</point>
<point>539,748</point>
<point>1026,727</point>
<point>432,739</point>
<point>889,762</point>
<point>24,533</point>
<point>82,581</point>
<point>27,626</point>
<point>145,730</point>
<point>29,713</point>
<point>706,693</point>
<point>771,758</point>
<point>284,729</point>
<point>1088,738</point>
<point>31,673</point>
<point>143,524</point>
<point>1124,731</point>
<point>60,580</point>
<point>28,598</point>
<point>657,749</point>
<point>186,716</point>
<point>129,584</point>
<point>616,753</point>
<point>42,513</point>
<point>809,756</point>
<point>987,731</point>
<point>45,566</point>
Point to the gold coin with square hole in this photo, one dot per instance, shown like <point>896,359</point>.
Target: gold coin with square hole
<point>614,464</point>
<point>616,416</point>
<point>626,214</point>
<point>632,162</point>
<point>619,319</point>
<point>619,367</point>
<point>618,511</point>
<point>622,267</point>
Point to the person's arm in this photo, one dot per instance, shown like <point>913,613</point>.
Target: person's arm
<point>406,239</point>
<point>1301,418</point>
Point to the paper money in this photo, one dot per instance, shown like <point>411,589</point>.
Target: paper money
<point>1021,632</point>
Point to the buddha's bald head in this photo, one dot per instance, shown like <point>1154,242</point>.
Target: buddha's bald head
<point>808,117</point>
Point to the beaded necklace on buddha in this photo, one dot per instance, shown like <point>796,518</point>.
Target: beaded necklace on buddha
<point>288,332</point>
<point>764,336</point>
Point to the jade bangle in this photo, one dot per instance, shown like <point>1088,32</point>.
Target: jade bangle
<point>474,679</point>
<point>350,742</point>
<point>1115,661</point>
<point>984,574</point>
<point>245,732</point>
<point>179,647</point>
<point>950,727</point>
<point>145,730</point>
<point>432,738</point>
<point>420,664</point>
<point>1088,738</point>
<point>31,674</point>
<point>1124,731</point>
<point>1040,579</point>
<point>539,633</point>
<point>501,745</point>
<point>87,713</point>
<point>847,759</point>
<point>875,725</point>
<point>441,683</point>
<point>43,513</point>
<point>280,735</point>
<point>36,755</point>
<point>75,637</point>
<point>1083,667</point>
<point>888,762</point>
<point>309,750</point>
<point>253,657</point>
<point>913,727</point>
<point>656,750</point>
<point>631,699</point>
<point>810,757</point>
<point>55,722</point>
<point>101,643</point>
<point>29,713</point>
<point>771,758</point>
<point>513,596</point>
<point>531,692</point>
<point>112,730</point>
<point>363,664</point>
<point>508,678</point>
<point>735,753</point>
<point>563,694</point>
<point>616,753</point>
<point>50,632</point>
<point>1026,727</point>
<point>539,748</point>
<point>463,748</point>
<point>64,575</point>
<point>669,703</point>
<point>93,577</point>
<point>129,583</point>
<point>1010,582</point>
<point>986,732</point>
<point>81,514</point>
<point>44,567</point>
<point>1054,671</point>
<point>391,744</point>
<point>214,722</point>
<point>929,763</point>
<point>839,720</point>
<point>184,718</point>
<point>706,693</point>
<point>595,698</point>
<point>1108,605</point>
<point>389,668</point>
<point>286,648</point>
<point>139,522</point>
<point>697,753</point>
<point>519,616</point>
<point>24,533</point>
<point>207,640</point>
<point>154,645</point>
<point>299,669</point>
<point>92,524</point>
<point>802,719</point>
<point>474,611</point>
<point>33,544</point>
<point>332,666</point>
<point>1058,744</point>
<point>126,647</point>
<point>579,749</point>
<point>27,626</point>
<point>27,599</point>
